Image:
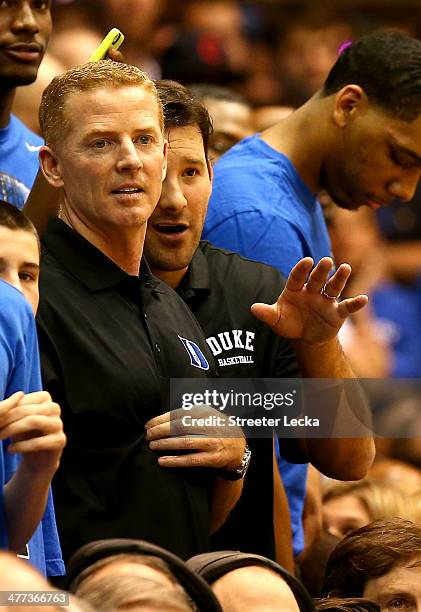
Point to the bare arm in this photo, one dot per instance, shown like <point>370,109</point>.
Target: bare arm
<point>34,425</point>
<point>341,458</point>
<point>25,491</point>
<point>225,495</point>
<point>281,521</point>
<point>312,512</point>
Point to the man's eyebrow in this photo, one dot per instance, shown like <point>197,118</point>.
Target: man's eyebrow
<point>194,161</point>
<point>101,132</point>
<point>402,149</point>
<point>27,264</point>
<point>389,592</point>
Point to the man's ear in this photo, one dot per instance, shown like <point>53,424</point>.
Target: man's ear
<point>50,166</point>
<point>349,101</point>
<point>164,164</point>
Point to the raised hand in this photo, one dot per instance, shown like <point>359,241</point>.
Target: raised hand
<point>308,308</point>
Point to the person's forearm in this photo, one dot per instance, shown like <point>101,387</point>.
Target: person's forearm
<point>312,511</point>
<point>225,495</point>
<point>324,361</point>
<point>281,521</point>
<point>42,203</point>
<point>341,458</point>
<point>25,498</point>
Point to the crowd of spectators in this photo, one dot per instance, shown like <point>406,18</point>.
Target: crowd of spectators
<point>317,542</point>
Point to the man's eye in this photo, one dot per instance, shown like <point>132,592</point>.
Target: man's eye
<point>191,172</point>
<point>99,144</point>
<point>395,157</point>
<point>397,604</point>
<point>399,161</point>
<point>26,276</point>
<point>144,139</point>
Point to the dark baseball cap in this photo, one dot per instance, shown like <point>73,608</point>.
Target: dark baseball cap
<point>195,586</point>
<point>214,565</point>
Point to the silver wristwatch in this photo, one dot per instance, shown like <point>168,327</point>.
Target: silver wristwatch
<point>240,472</point>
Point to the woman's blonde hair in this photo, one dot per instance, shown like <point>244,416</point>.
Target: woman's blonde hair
<point>379,499</point>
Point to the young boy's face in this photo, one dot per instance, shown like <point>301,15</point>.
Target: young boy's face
<point>19,262</point>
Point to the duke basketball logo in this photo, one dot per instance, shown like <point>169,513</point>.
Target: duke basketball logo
<point>197,358</point>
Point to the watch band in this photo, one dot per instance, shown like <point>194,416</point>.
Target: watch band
<point>240,472</point>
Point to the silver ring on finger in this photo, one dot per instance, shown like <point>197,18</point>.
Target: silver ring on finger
<point>327,295</point>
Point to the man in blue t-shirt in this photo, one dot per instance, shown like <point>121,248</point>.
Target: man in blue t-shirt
<point>25,28</point>
<point>31,431</point>
<point>358,138</point>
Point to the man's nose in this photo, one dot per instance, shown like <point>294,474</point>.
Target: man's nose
<point>404,188</point>
<point>129,157</point>
<point>172,196</point>
<point>24,19</point>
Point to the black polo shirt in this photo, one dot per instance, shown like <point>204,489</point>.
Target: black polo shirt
<point>219,287</point>
<point>109,344</point>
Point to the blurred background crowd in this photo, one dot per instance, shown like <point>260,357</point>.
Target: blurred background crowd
<point>273,52</point>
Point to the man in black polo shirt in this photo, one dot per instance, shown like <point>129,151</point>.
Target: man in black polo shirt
<point>111,335</point>
<point>219,287</point>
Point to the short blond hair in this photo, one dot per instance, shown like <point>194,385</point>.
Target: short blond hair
<point>104,74</point>
<point>382,501</point>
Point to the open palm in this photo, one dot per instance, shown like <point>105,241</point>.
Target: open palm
<point>302,311</point>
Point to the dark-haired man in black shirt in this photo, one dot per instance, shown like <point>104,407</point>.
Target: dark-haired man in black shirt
<point>219,287</point>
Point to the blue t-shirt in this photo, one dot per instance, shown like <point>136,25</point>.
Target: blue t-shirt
<point>262,209</point>
<point>18,161</point>
<point>20,371</point>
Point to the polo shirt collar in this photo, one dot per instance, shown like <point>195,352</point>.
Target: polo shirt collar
<point>196,281</point>
<point>87,263</point>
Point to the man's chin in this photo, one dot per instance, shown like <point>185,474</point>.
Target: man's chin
<point>166,263</point>
<point>14,74</point>
<point>20,80</point>
<point>349,205</point>
<point>345,202</point>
